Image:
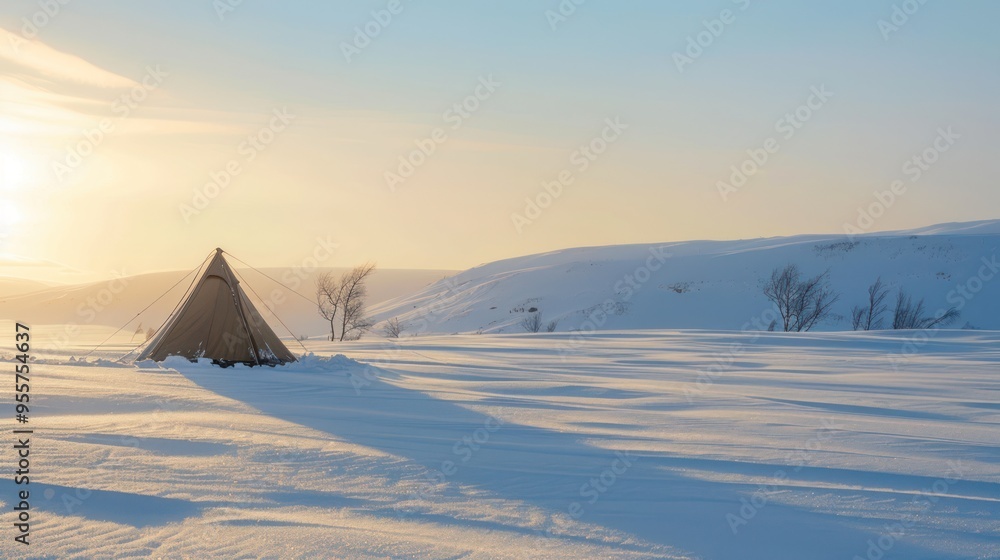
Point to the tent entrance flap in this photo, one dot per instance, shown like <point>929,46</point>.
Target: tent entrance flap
<point>218,321</point>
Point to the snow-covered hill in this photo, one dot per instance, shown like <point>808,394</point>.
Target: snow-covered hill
<point>710,284</point>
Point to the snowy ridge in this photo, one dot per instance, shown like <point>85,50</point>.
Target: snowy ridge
<point>709,284</point>
<point>981,227</point>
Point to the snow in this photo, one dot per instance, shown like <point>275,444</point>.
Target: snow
<point>709,284</point>
<point>658,421</point>
<point>815,445</point>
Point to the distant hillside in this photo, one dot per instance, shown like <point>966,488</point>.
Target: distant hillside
<point>115,302</point>
<point>706,284</point>
<point>982,227</point>
<point>17,286</point>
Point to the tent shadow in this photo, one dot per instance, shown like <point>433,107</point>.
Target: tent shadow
<point>649,496</point>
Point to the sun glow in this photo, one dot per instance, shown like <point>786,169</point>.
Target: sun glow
<point>15,173</point>
<point>9,215</point>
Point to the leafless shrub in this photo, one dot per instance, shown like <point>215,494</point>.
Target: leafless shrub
<point>869,316</point>
<point>909,315</point>
<point>533,322</point>
<point>393,328</point>
<point>551,327</point>
<point>802,303</point>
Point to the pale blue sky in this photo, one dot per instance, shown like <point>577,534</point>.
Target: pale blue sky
<point>658,182</point>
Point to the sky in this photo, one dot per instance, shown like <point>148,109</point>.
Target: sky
<point>138,136</point>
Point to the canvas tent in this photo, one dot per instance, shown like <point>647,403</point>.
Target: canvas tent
<point>217,321</point>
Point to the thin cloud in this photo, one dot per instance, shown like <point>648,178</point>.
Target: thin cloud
<point>49,62</point>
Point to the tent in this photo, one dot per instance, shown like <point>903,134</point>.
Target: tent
<point>217,321</point>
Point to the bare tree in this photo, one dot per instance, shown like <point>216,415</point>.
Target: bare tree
<point>354,290</point>
<point>533,322</point>
<point>551,327</point>
<point>909,315</point>
<point>869,317</point>
<point>393,328</point>
<point>329,299</point>
<point>344,298</point>
<point>802,303</point>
